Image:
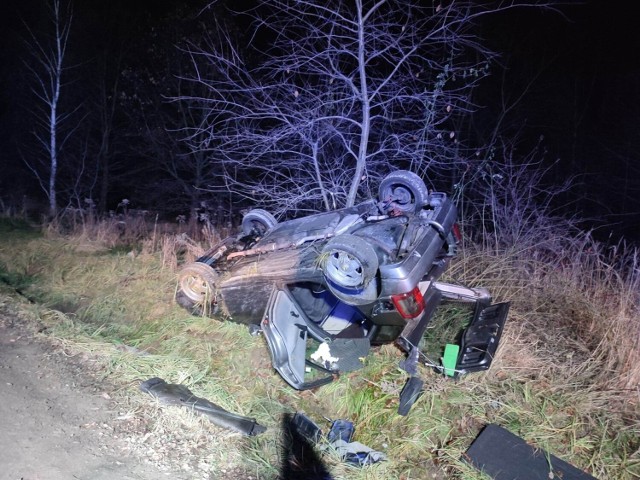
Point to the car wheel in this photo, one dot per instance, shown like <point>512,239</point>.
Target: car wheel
<point>349,261</point>
<point>403,191</point>
<point>197,289</point>
<point>258,222</point>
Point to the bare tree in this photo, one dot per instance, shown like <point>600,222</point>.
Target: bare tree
<point>48,66</point>
<point>176,176</point>
<point>346,92</point>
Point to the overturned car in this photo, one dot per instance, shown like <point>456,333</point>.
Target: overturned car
<point>323,289</point>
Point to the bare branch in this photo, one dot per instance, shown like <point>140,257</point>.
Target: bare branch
<point>344,93</point>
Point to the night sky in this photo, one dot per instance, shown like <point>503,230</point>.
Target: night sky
<point>585,100</point>
<point>582,65</point>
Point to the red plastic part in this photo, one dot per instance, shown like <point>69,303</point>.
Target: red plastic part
<point>456,232</point>
<point>410,304</point>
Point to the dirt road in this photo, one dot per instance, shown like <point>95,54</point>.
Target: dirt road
<point>56,421</point>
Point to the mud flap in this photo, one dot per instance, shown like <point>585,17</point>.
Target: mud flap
<point>501,455</point>
<point>481,338</point>
<point>409,394</point>
<point>286,332</point>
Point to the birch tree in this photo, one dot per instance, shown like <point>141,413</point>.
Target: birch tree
<point>48,67</point>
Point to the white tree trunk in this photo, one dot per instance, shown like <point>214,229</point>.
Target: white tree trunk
<point>48,68</point>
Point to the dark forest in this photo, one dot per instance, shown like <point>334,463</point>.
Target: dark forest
<point>553,96</point>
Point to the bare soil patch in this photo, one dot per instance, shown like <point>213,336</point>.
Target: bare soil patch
<point>57,420</point>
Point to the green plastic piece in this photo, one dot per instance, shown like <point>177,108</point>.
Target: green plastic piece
<point>450,359</point>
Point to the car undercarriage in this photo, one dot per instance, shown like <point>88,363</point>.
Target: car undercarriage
<point>326,288</point>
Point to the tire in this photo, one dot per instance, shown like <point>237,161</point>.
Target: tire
<point>258,222</point>
<point>403,191</point>
<point>197,290</point>
<point>350,261</point>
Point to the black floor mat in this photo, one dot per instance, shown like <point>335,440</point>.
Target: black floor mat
<point>505,456</point>
<point>350,351</point>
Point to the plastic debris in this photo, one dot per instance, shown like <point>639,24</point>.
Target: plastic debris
<point>175,394</point>
<point>450,359</point>
<point>356,453</point>
<point>338,439</point>
<point>323,355</point>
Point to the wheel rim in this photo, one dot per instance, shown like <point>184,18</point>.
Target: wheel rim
<point>194,287</point>
<point>259,227</point>
<point>402,195</point>
<point>344,269</point>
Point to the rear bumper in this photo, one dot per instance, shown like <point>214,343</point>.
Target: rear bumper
<point>480,339</point>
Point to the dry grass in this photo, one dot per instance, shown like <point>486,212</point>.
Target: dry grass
<point>140,229</point>
<point>579,310</point>
<point>565,379</point>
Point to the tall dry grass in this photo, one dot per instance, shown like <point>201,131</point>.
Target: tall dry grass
<point>562,378</point>
<point>178,241</point>
<point>579,307</point>
<point>576,300</point>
